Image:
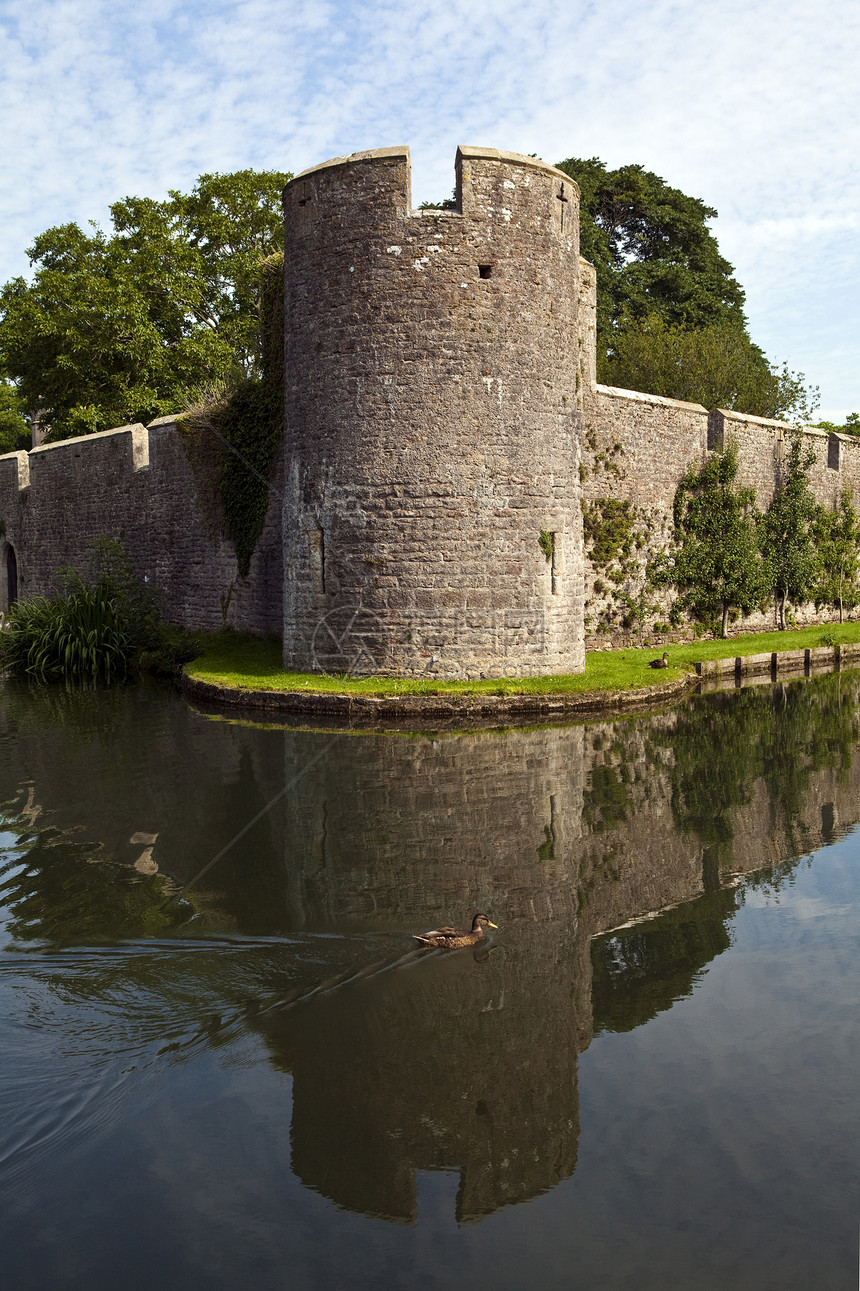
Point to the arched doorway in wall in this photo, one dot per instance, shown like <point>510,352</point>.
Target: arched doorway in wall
<point>8,578</point>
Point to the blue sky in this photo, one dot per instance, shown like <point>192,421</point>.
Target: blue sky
<point>752,107</point>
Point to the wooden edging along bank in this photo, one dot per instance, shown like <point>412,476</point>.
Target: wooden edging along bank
<point>783,663</point>
<point>373,709</point>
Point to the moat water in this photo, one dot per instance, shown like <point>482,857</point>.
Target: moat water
<point>223,1064</point>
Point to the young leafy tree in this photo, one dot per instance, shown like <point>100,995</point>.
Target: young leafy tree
<point>123,327</point>
<point>716,566</point>
<point>787,530</point>
<point>836,535</point>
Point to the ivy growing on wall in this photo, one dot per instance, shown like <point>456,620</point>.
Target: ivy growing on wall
<point>608,526</point>
<point>232,438</point>
<point>546,542</point>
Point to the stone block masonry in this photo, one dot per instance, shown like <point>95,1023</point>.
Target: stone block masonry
<point>134,484</point>
<point>432,522</point>
<point>444,431</point>
<point>636,449</point>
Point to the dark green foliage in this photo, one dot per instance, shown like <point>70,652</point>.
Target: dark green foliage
<point>78,636</point>
<point>447,204</point>
<point>608,529</point>
<point>652,249</point>
<point>836,535</point>
<point>271,322</point>
<point>787,530</point>
<point>251,423</point>
<point>717,366</point>
<point>640,606</point>
<point>233,440</point>
<point>93,631</point>
<point>121,328</point>
<point>14,431</point>
<point>640,971</point>
<point>546,544</point>
<point>716,751</point>
<point>722,744</point>
<point>716,565</point>
<point>605,799</point>
<point>670,317</point>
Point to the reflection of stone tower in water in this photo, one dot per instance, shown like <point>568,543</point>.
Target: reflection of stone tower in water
<point>432,511</point>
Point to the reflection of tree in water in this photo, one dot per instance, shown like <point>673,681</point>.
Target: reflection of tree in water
<point>605,798</point>
<point>61,890</point>
<point>643,970</point>
<point>715,751</point>
<point>721,744</point>
<point>461,1063</point>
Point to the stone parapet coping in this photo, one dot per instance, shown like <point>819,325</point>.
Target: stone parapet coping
<point>472,152</point>
<point>465,152</point>
<point>636,396</point>
<point>367,154</point>
<point>731,415</point>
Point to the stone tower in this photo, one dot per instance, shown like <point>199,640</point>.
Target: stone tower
<point>432,521</point>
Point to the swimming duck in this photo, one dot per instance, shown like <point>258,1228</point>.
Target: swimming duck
<point>455,938</point>
<point>660,663</point>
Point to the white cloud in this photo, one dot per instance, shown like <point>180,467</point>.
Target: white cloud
<point>752,107</point>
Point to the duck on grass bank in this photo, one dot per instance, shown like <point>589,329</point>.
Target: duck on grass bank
<point>660,663</point>
<point>456,938</point>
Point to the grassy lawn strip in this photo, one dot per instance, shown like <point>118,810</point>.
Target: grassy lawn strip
<point>244,662</point>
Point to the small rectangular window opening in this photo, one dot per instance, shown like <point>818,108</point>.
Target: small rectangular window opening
<point>485,270</point>
<point>833,453</point>
<point>317,554</point>
<point>557,564</point>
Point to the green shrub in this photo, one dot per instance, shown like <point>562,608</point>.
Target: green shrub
<point>94,631</point>
<point>79,636</point>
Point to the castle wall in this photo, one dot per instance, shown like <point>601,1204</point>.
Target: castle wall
<point>432,420</point>
<point>135,484</point>
<point>637,448</point>
<point>444,431</point>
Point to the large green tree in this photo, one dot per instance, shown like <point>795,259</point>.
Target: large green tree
<point>14,431</point>
<point>652,249</point>
<point>122,327</point>
<point>716,565</point>
<point>717,366</point>
<point>788,530</point>
<point>670,311</point>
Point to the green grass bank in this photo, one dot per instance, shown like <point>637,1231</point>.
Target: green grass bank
<point>242,662</point>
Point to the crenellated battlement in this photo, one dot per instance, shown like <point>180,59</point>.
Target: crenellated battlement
<point>491,185</point>
<point>443,429</point>
<point>433,412</point>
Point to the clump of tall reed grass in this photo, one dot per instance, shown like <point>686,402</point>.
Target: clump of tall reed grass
<point>94,630</point>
